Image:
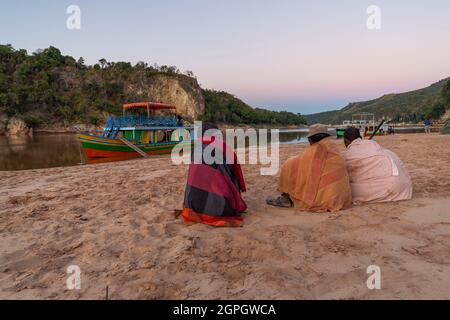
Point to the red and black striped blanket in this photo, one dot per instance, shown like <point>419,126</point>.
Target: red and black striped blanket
<point>213,191</point>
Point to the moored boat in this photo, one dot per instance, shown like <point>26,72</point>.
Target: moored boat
<point>366,124</point>
<point>340,132</point>
<point>131,136</point>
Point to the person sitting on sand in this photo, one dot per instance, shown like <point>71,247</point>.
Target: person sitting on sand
<point>213,191</point>
<point>376,174</point>
<point>316,180</point>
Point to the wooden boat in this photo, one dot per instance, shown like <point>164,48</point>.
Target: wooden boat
<point>369,133</point>
<point>366,124</point>
<point>365,132</point>
<point>383,130</point>
<point>131,136</point>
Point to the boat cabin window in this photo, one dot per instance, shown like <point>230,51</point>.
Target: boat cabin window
<point>152,136</point>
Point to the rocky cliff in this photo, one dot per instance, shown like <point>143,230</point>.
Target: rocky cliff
<point>17,126</point>
<point>47,90</point>
<point>181,91</point>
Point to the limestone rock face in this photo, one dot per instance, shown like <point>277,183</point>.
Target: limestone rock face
<point>181,91</point>
<point>16,126</point>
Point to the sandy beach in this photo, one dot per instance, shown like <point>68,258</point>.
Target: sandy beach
<point>116,222</point>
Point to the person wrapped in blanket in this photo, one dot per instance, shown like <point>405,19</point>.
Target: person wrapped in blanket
<point>213,190</point>
<point>316,180</point>
<point>376,174</point>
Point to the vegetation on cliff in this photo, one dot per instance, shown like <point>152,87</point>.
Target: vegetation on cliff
<point>430,102</point>
<point>222,107</point>
<point>47,88</point>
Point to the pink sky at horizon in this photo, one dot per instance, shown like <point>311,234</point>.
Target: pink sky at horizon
<point>298,55</point>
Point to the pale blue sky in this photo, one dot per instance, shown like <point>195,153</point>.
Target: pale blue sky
<point>303,56</point>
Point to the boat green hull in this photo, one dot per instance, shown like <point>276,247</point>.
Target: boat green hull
<point>97,147</point>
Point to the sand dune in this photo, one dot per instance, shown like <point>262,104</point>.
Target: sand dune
<point>116,221</point>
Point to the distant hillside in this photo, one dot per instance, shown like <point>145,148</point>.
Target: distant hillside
<point>322,117</point>
<point>222,107</point>
<point>410,106</point>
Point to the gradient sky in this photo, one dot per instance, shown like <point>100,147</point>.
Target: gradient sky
<point>302,56</point>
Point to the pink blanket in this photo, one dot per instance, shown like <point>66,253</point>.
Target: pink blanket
<point>376,174</point>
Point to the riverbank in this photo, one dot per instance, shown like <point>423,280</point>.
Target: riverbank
<point>22,127</point>
<point>116,222</point>
<point>53,131</point>
<point>57,150</point>
<point>398,128</point>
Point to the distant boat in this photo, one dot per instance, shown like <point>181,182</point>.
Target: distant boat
<point>340,132</point>
<point>366,124</point>
<point>131,136</point>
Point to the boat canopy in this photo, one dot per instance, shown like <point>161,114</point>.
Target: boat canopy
<point>148,106</point>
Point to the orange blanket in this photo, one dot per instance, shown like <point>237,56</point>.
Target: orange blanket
<point>317,180</point>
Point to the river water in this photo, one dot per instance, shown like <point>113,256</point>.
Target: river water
<point>38,151</point>
<point>59,150</point>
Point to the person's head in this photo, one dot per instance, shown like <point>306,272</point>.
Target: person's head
<point>208,126</point>
<point>317,132</point>
<point>350,135</point>
<point>317,137</point>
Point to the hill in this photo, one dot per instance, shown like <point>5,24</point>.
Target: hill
<point>49,90</point>
<point>222,107</point>
<point>413,106</point>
